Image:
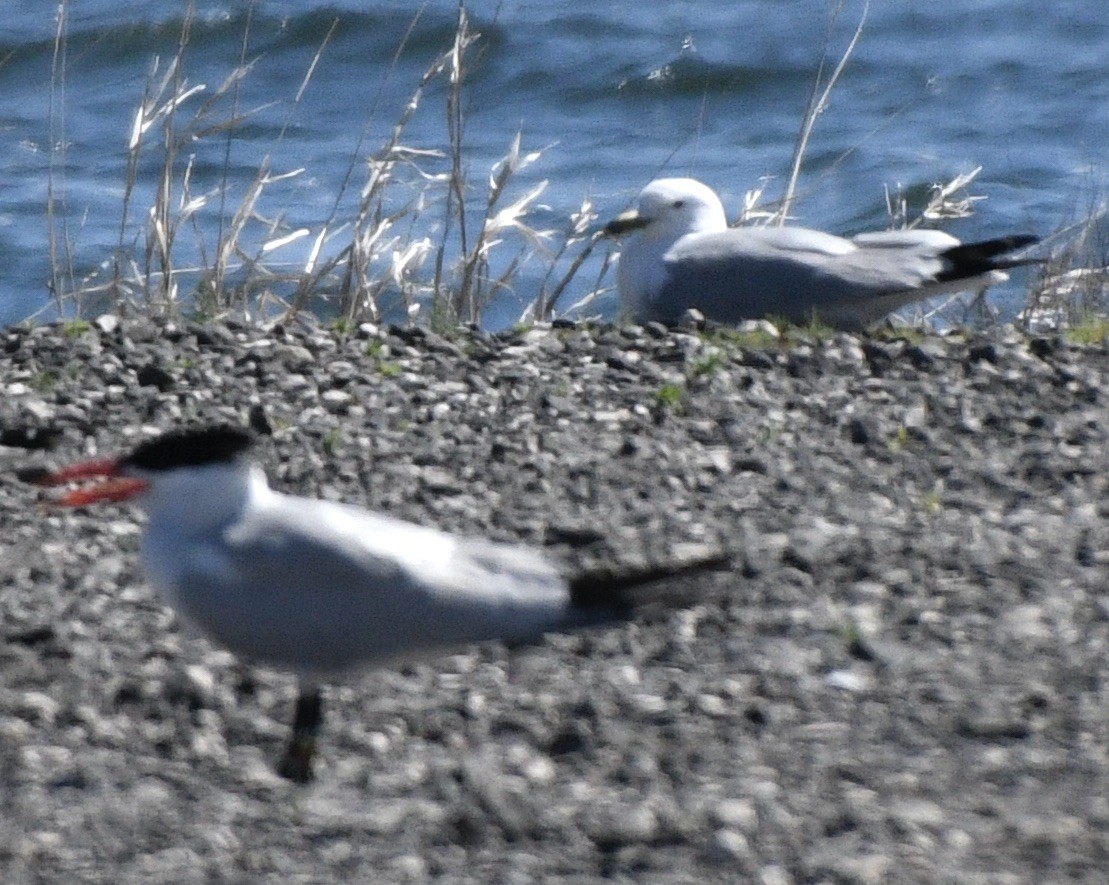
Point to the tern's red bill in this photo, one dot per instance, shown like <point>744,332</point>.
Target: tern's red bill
<point>115,486</point>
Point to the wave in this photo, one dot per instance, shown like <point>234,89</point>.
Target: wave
<point>122,40</point>
<point>690,74</point>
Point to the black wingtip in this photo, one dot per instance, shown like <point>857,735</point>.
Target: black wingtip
<point>975,259</point>
<point>667,584</point>
<point>191,447</point>
<point>999,245</point>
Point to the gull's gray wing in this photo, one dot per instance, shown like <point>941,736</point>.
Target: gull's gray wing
<point>746,273</point>
<point>934,241</point>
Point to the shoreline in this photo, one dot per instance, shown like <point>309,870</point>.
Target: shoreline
<point>906,677</point>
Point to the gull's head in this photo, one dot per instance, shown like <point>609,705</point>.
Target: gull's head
<point>670,208</point>
<point>187,471</point>
<point>667,210</point>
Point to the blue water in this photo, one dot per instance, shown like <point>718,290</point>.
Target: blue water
<point>615,93</point>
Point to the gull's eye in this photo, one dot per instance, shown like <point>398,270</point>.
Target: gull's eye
<point>677,204</point>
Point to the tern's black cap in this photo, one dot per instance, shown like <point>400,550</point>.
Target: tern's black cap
<point>193,447</point>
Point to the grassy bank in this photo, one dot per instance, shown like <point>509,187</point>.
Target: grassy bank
<point>429,239</point>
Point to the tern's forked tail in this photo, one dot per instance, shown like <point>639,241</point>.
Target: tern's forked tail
<point>672,585</point>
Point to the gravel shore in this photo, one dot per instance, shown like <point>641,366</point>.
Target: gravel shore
<point>906,678</point>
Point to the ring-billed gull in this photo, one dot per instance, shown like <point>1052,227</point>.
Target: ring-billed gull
<point>681,254</point>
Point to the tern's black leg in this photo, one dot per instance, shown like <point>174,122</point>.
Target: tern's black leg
<point>296,764</point>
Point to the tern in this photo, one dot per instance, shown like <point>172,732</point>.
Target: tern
<point>323,588</point>
<point>681,254</point>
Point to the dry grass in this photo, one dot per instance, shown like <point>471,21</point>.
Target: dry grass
<point>1075,281</point>
<point>818,101</point>
<point>1072,289</point>
<point>944,201</point>
<point>428,240</point>
<point>425,241</point>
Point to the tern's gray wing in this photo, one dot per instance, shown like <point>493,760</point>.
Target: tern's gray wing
<point>320,587</point>
<point>745,273</point>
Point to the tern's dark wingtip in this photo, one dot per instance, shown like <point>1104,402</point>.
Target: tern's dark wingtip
<point>630,589</point>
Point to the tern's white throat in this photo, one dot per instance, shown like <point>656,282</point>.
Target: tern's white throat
<point>195,499</point>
